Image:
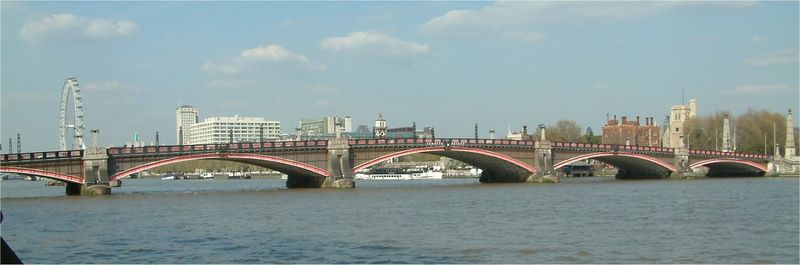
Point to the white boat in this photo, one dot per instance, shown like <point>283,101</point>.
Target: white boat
<point>168,177</point>
<point>399,174</point>
<point>429,174</point>
<point>207,176</point>
<point>389,176</point>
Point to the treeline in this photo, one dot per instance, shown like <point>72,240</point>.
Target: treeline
<point>704,132</point>
<point>207,165</point>
<point>752,128</point>
<point>569,131</point>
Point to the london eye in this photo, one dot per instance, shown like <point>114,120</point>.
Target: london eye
<point>76,125</point>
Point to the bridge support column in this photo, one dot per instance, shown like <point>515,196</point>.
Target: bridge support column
<point>682,169</point>
<point>73,188</point>
<point>95,172</point>
<point>339,165</point>
<point>543,162</point>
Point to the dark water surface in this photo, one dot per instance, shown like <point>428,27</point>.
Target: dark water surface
<point>590,220</point>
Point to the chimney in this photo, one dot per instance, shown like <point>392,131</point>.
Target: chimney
<point>637,120</point>
<point>624,119</point>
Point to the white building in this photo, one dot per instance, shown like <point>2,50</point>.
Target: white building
<point>185,117</point>
<point>218,130</point>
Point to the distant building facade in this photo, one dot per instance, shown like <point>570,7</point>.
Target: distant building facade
<point>217,130</point>
<point>521,135</point>
<point>674,133</point>
<point>185,117</point>
<point>381,130</point>
<point>324,128</point>
<point>631,132</point>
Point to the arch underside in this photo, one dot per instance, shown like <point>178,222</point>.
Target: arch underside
<point>495,167</point>
<point>629,165</point>
<point>731,168</point>
<point>635,168</point>
<point>298,174</point>
<point>43,173</point>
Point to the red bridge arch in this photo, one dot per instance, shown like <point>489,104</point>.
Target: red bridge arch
<point>272,162</point>
<point>650,159</point>
<point>43,173</point>
<point>444,149</point>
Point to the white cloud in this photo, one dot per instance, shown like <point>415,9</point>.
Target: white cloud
<point>231,83</point>
<point>112,86</point>
<point>67,26</point>
<point>523,18</point>
<point>272,52</point>
<point>754,90</point>
<point>255,58</point>
<point>786,56</point>
<point>377,45</point>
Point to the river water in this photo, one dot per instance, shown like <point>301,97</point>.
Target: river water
<point>587,220</point>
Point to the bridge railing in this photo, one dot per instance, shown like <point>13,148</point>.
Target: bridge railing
<point>614,147</point>
<point>656,149</point>
<point>42,155</point>
<point>439,141</point>
<point>212,147</point>
<point>723,153</point>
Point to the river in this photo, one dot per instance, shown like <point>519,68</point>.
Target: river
<point>582,220</point>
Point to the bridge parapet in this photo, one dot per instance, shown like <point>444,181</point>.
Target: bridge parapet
<point>718,154</point>
<point>36,156</point>
<point>463,142</point>
<point>584,147</point>
<point>207,148</point>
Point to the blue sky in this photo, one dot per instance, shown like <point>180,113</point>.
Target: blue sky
<point>442,64</point>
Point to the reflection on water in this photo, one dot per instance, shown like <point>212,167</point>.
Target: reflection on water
<point>587,220</point>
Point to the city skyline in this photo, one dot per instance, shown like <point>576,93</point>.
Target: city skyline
<point>440,64</point>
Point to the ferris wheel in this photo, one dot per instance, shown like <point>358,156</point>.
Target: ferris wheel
<point>71,85</point>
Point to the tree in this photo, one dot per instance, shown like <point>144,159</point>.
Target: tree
<point>705,132</point>
<point>564,131</point>
<point>589,136</point>
<point>752,127</point>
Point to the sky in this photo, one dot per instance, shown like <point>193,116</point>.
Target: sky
<point>447,65</point>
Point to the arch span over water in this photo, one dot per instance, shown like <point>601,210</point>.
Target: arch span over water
<point>629,164</point>
<point>730,167</point>
<point>504,167</point>
<point>283,165</point>
<point>43,173</point>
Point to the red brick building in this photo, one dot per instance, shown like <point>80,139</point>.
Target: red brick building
<point>631,132</point>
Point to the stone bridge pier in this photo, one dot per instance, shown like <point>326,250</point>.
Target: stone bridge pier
<point>340,165</point>
<point>95,174</point>
<point>681,163</point>
<point>543,162</point>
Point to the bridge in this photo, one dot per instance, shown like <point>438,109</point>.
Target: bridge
<point>332,163</point>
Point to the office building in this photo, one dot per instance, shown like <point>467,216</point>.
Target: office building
<point>185,117</point>
<point>235,129</point>
<point>325,127</point>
